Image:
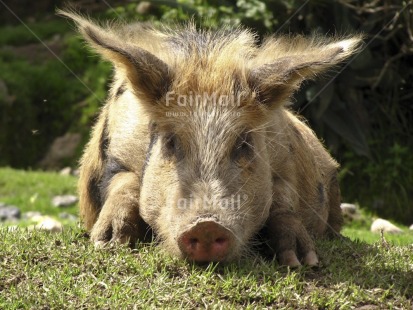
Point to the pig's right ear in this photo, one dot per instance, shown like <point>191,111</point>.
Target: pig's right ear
<point>149,76</point>
<point>298,59</point>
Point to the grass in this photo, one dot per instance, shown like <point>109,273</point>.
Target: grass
<point>39,270</point>
<point>359,229</point>
<point>366,236</point>
<point>34,190</point>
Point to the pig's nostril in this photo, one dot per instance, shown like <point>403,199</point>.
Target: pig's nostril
<point>221,240</point>
<point>193,241</point>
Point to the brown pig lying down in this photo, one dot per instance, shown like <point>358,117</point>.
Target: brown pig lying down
<point>195,144</point>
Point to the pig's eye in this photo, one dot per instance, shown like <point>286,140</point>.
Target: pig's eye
<point>243,146</point>
<point>171,146</point>
<point>170,143</point>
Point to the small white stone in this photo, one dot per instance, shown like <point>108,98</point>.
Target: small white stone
<point>9,213</point>
<point>385,226</point>
<point>348,208</point>
<point>65,171</point>
<point>64,200</point>
<point>32,215</point>
<point>68,216</point>
<point>50,224</point>
<point>411,227</point>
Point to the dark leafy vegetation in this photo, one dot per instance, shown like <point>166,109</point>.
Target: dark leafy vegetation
<point>20,35</point>
<point>46,94</point>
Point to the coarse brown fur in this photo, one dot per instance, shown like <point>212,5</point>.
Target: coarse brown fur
<point>155,146</point>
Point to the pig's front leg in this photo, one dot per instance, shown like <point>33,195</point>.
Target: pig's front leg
<point>119,220</point>
<point>289,239</point>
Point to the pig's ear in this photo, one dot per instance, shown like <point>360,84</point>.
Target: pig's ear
<point>274,82</point>
<point>149,76</point>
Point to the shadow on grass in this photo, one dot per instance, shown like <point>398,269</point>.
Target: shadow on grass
<point>376,267</point>
<point>372,267</point>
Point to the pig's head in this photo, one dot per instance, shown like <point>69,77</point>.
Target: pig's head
<point>207,180</point>
<point>207,185</point>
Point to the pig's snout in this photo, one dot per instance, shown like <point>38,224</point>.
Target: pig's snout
<point>205,242</point>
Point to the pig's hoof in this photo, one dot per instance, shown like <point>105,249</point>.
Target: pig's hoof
<point>112,243</point>
<point>122,239</point>
<point>311,259</point>
<point>289,258</point>
<point>100,244</point>
<point>111,235</point>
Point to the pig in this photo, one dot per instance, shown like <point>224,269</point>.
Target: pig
<point>197,148</point>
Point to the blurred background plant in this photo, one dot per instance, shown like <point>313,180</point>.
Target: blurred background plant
<point>363,110</point>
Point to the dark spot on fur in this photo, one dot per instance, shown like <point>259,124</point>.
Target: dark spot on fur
<point>94,191</point>
<point>153,139</point>
<point>120,90</point>
<point>104,141</point>
<point>320,190</point>
<point>275,179</point>
<point>112,167</point>
<point>93,184</point>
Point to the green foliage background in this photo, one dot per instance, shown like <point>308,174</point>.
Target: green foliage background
<point>363,110</point>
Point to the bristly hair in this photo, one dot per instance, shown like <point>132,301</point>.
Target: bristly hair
<point>182,58</point>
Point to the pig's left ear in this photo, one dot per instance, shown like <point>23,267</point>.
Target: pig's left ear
<point>275,82</point>
<point>149,76</point>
